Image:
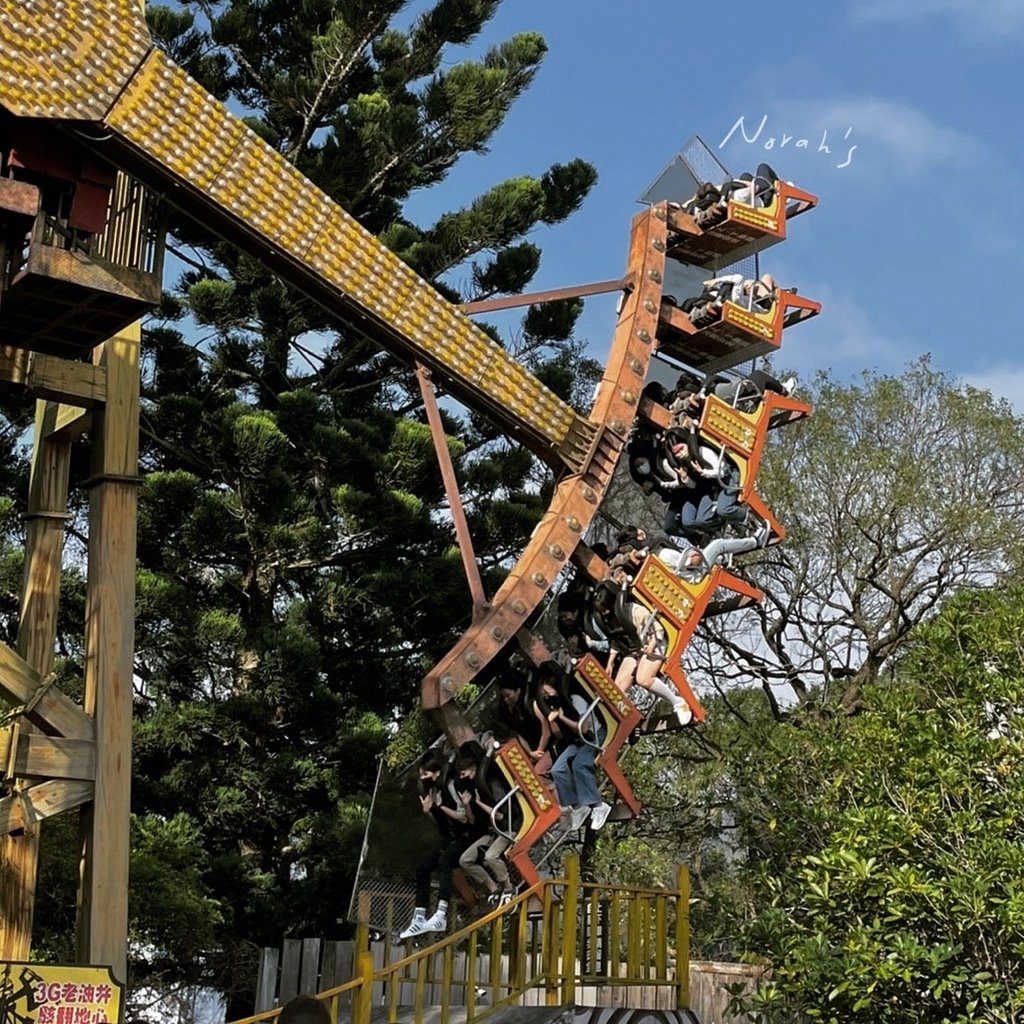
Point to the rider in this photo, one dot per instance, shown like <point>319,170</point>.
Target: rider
<point>438,800</point>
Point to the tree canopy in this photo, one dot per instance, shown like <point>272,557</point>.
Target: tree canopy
<point>905,900</point>
<point>899,490</point>
<point>855,832</point>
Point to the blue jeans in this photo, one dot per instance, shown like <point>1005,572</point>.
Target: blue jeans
<point>707,508</point>
<point>574,775</point>
<point>728,507</point>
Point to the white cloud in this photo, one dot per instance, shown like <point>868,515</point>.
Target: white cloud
<point>1004,382</point>
<point>905,139</point>
<point>845,339</point>
<point>988,18</point>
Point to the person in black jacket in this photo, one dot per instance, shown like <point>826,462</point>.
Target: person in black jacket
<point>519,715</point>
<point>491,818</point>
<point>438,799</point>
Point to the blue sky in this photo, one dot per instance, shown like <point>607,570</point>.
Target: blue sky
<point>916,243</point>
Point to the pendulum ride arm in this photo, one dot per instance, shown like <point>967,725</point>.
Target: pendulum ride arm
<point>577,496</point>
<point>89,67</point>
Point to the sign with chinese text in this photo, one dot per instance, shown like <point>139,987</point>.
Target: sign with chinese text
<point>55,994</point>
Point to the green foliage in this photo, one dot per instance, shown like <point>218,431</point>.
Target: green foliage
<point>641,862</point>
<point>298,571</point>
<point>170,905</point>
<point>212,302</point>
<point>564,187</point>
<point>511,270</point>
<point>902,900</point>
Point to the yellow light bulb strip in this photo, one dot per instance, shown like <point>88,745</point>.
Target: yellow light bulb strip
<point>670,591</point>
<point>738,427</point>
<point>68,59</point>
<point>527,777</point>
<point>87,60</point>
<point>176,122</point>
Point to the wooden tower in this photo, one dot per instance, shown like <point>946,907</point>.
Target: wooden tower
<point>80,261</point>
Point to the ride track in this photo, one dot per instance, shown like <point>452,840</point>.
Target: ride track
<point>88,71</point>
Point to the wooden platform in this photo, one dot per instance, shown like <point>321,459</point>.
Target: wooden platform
<point>65,303</point>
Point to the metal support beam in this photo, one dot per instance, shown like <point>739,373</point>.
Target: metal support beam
<point>451,489</point>
<point>537,298</point>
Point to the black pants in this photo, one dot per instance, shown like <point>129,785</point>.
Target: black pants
<point>752,386</point>
<point>443,858</point>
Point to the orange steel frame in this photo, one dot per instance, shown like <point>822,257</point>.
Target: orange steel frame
<point>743,231</point>
<point>738,335</point>
<point>741,436</point>
<point>621,716</point>
<point>680,606</point>
<point>577,496</point>
<point>537,802</point>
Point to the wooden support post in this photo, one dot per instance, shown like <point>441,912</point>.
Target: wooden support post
<point>570,910</point>
<point>109,656</point>
<point>683,938</point>
<point>550,946</point>
<point>362,1004</point>
<point>37,633</point>
<point>363,924</point>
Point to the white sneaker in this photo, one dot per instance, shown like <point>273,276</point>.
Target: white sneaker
<point>789,386</point>
<point>577,816</point>
<point>763,534</point>
<point>417,927</point>
<point>599,815</point>
<point>500,897</point>
<point>683,713</point>
<point>436,923</point>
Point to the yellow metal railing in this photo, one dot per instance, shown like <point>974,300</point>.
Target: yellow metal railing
<point>540,949</point>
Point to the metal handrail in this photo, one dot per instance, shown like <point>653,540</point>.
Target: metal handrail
<point>506,799</point>
<point>589,713</point>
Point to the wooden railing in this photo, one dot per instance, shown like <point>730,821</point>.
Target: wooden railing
<point>132,237</point>
<point>556,944</point>
<point>135,228</point>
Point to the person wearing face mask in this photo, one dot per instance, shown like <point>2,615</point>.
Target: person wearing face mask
<point>439,800</point>
<point>651,470</point>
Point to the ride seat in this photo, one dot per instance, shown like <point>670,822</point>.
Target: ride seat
<point>537,804</point>
<point>740,437</point>
<point>739,335</point>
<point>680,605</point>
<point>620,717</point>
<point>745,229</point>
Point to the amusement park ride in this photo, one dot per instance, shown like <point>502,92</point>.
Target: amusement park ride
<point>99,134</point>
